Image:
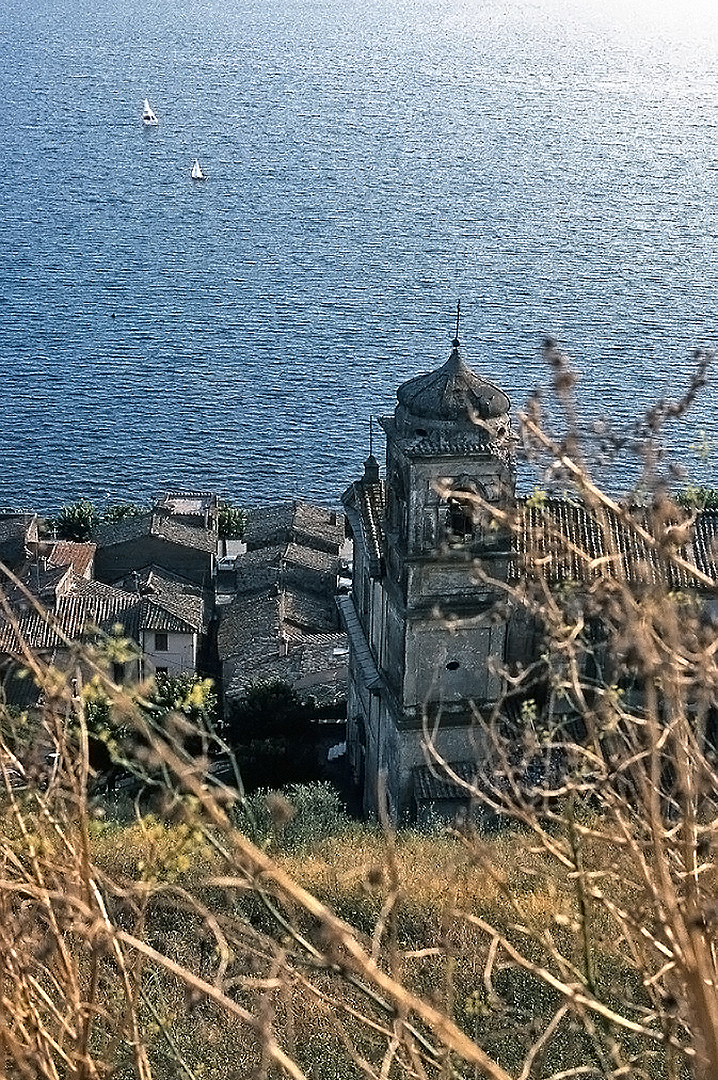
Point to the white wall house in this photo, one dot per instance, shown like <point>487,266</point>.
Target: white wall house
<point>168,652</point>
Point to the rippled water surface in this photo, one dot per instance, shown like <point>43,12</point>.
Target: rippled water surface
<point>369,163</point>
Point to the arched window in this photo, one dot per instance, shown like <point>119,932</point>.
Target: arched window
<point>464,509</point>
<point>396,500</point>
<point>459,518</point>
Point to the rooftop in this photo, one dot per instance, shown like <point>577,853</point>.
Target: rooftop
<point>296,521</point>
<point>70,553</point>
<point>566,541</point>
<point>452,392</point>
<point>89,606</point>
<point>160,525</point>
<point>189,503</point>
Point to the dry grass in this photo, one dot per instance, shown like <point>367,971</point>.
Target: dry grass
<point>575,943</point>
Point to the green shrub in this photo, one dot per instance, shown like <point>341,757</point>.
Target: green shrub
<point>300,815</point>
<point>76,521</point>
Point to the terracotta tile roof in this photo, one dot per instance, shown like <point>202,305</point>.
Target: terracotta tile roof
<point>268,525</point>
<point>317,526</point>
<point>156,616</point>
<point>89,606</point>
<point>290,636</point>
<point>250,625</point>
<point>429,784</point>
<point>365,508</point>
<point>95,606</point>
<point>704,546</point>
<point>179,597</point>
<point>258,570</point>
<point>70,553</point>
<point>566,541</point>
<point>310,559</point>
<point>310,611</point>
<point>295,522</point>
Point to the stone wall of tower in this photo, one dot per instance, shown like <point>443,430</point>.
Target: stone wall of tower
<point>429,614</point>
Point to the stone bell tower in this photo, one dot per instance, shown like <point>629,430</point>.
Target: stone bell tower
<point>426,647</point>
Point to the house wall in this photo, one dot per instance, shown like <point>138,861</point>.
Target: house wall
<point>66,660</point>
<point>181,653</point>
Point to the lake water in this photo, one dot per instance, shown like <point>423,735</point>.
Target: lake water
<point>553,164</point>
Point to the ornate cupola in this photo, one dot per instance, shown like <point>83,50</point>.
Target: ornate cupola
<point>454,396</point>
<point>449,459</point>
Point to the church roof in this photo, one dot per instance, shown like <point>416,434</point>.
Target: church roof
<point>429,783</point>
<point>563,540</point>
<point>365,507</point>
<point>453,392</point>
<point>567,541</point>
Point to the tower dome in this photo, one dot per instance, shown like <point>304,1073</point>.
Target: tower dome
<point>453,393</point>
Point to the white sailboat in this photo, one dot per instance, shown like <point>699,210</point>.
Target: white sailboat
<point>148,117</point>
<point>197,173</point>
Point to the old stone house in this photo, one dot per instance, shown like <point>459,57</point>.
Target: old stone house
<point>162,537</point>
<point>57,610</point>
<point>53,602</point>
<point>18,535</point>
<point>282,621</point>
<point>174,618</point>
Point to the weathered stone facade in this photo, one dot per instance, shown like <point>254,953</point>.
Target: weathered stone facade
<point>425,645</point>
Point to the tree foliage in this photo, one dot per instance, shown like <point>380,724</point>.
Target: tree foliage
<point>231,521</point>
<point>76,521</point>
<point>273,733</point>
<point>187,693</point>
<point>121,511</point>
<point>266,710</point>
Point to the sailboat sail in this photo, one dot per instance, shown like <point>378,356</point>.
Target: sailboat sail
<point>148,117</point>
<point>197,173</point>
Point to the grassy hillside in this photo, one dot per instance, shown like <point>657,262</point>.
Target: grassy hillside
<point>438,914</point>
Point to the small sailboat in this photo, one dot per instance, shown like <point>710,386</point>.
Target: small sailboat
<point>197,173</point>
<point>148,117</point>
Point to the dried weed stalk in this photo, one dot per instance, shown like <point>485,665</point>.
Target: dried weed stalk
<point>578,939</point>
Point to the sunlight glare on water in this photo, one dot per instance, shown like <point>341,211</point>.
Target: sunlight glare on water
<point>553,163</point>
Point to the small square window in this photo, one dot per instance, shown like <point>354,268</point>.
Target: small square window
<point>161,643</point>
<point>161,671</point>
<point>118,673</point>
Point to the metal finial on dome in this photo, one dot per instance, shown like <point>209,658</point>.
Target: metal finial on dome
<point>455,342</point>
<point>371,436</point>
